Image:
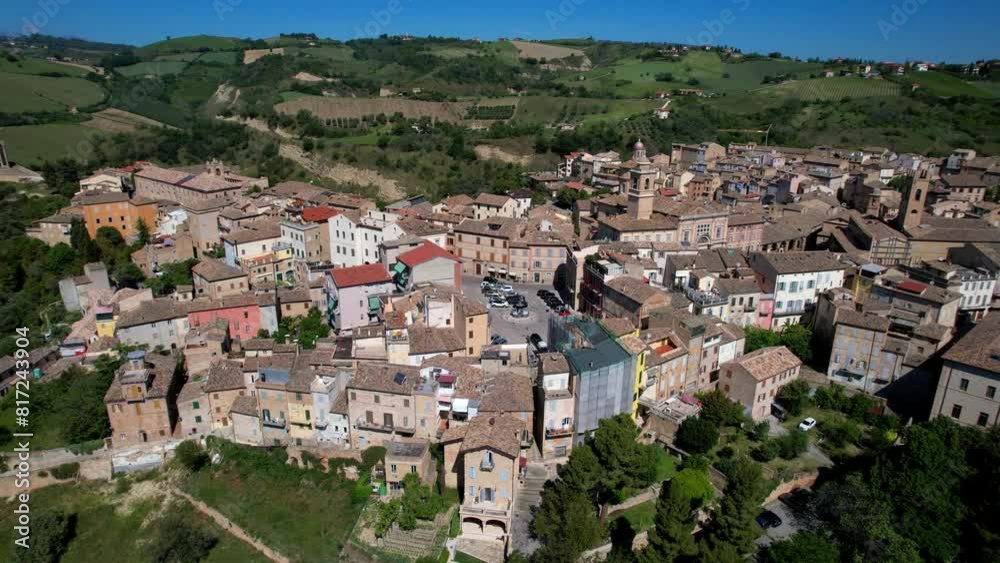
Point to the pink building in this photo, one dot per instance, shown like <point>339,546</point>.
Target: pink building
<point>746,232</point>
<point>352,295</point>
<point>765,311</point>
<point>245,314</point>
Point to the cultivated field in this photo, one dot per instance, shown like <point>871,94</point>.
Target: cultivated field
<point>337,53</point>
<point>819,89</point>
<point>251,55</point>
<point>224,57</point>
<point>552,109</point>
<point>39,66</point>
<point>191,43</point>
<point>544,50</point>
<point>153,68</point>
<point>32,144</point>
<point>31,93</point>
<point>331,108</point>
<point>116,120</point>
<point>941,84</point>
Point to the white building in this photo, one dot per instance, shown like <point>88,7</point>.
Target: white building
<point>796,279</point>
<point>355,238</point>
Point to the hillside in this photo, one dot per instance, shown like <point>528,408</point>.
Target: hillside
<point>191,43</point>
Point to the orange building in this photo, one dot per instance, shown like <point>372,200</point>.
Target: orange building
<point>117,210</point>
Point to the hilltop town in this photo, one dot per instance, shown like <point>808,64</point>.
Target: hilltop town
<point>273,331</point>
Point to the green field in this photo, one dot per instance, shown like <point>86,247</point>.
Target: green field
<point>191,43</point>
<point>113,527</point>
<point>154,68</point>
<point>32,144</point>
<point>336,53</point>
<point>223,57</point>
<point>30,65</point>
<point>705,67</point>
<point>553,109</point>
<point>290,95</point>
<point>187,57</point>
<point>941,84</point>
<point>820,89</point>
<point>30,93</point>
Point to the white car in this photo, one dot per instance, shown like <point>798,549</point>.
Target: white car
<point>807,424</point>
<point>498,303</point>
<point>509,290</point>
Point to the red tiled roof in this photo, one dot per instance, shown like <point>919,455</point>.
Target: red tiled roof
<point>314,214</point>
<point>360,275</point>
<point>424,253</point>
<point>576,186</point>
<point>912,287</point>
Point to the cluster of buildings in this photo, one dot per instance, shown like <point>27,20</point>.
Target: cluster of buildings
<point>667,260</point>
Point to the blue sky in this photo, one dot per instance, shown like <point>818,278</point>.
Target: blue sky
<point>932,30</point>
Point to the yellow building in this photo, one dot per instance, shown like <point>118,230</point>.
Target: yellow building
<point>106,319</point>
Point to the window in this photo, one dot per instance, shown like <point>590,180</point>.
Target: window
<point>503,475</point>
<point>983,419</point>
<point>354,396</point>
<point>956,411</point>
<point>472,473</point>
<point>377,400</point>
<point>413,469</point>
<point>794,287</point>
<point>392,468</point>
<point>298,396</point>
<point>472,490</point>
<point>781,286</point>
<point>406,403</point>
<point>197,419</point>
<point>991,392</point>
<point>964,384</point>
<point>195,405</point>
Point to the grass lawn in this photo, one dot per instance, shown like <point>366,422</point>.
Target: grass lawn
<point>31,144</point>
<point>466,558</point>
<point>113,527</point>
<point>290,95</point>
<point>31,93</point>
<point>304,515</point>
<point>188,57</point>
<point>191,43</point>
<point>666,465</point>
<point>38,66</point>
<point>336,53</point>
<point>640,516</point>
<point>224,57</point>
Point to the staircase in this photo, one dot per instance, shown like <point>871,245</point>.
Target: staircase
<point>528,496</point>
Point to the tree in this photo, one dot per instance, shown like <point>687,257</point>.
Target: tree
<point>583,471</point>
<point>142,236</point>
<point>177,541</point>
<point>418,502</point>
<point>387,514</point>
<point>794,397</point>
<point>127,274</point>
<point>566,524</point>
<point>81,242</point>
<point>51,533</point>
<point>803,546</point>
<point>312,328</point>
<point>733,523</point>
<point>697,435</point>
<point>190,455</point>
<point>757,338</point>
<point>671,537</point>
<point>718,409</point>
<point>798,339</point>
<point>626,465</point>
<point>694,485</point>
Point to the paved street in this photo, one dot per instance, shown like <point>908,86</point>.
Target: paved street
<point>788,526</point>
<point>501,323</point>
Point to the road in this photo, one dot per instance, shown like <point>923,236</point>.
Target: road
<point>789,525</point>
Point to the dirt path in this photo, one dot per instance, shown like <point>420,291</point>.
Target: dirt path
<point>388,189</point>
<point>232,528</point>
<point>259,125</point>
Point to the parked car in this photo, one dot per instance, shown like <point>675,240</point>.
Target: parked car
<point>564,312</point>
<point>807,424</point>
<point>543,292</point>
<point>491,280</point>
<point>768,519</point>
<point>498,303</point>
<point>538,343</point>
<point>519,312</point>
<point>509,290</point>
<point>517,300</point>
<point>497,340</point>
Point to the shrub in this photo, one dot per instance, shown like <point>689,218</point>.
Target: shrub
<point>793,444</point>
<point>190,455</point>
<point>43,473</point>
<point>726,452</point>
<point>760,431</point>
<point>362,489</point>
<point>697,435</point>
<point>51,533</point>
<point>718,409</point>
<point>66,470</point>
<point>177,541</point>
<point>371,456</point>
<point>766,451</point>
<point>838,433</point>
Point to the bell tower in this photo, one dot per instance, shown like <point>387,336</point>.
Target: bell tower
<point>641,189</point>
<point>911,213</point>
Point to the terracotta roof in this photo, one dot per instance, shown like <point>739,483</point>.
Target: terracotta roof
<point>491,200</point>
<point>768,362</point>
<point>215,270</point>
<point>425,340</point>
<point>801,262</point>
<point>510,393</point>
<point>383,378</point>
<point>225,376</point>
<point>867,321</point>
<point>425,253</point>
<point>980,347</point>
<point>619,327</point>
<point>157,310</point>
<point>635,289</point>
<point>244,405</point>
<point>161,375</point>
<point>317,214</point>
<point>261,230</point>
<point>499,433</point>
<point>360,275</point>
<point>555,362</point>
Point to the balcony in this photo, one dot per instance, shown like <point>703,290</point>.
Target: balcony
<point>363,424</point>
<point>487,465</point>
<point>478,507</point>
<point>279,423</point>
<point>551,433</point>
<point>704,298</point>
